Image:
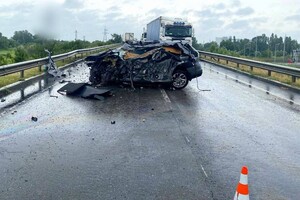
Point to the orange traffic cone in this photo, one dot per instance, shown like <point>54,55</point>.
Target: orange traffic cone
<point>242,191</point>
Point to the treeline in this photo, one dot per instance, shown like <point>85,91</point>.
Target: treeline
<point>259,46</point>
<point>25,46</point>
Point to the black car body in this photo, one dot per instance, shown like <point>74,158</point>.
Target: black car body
<point>172,62</point>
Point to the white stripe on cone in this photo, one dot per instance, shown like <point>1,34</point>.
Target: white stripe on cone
<point>244,179</point>
<point>240,197</point>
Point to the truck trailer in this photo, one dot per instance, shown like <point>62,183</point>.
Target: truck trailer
<point>169,29</point>
<point>129,37</point>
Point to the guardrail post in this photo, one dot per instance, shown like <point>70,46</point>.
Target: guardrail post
<point>40,68</point>
<point>269,72</point>
<point>238,65</point>
<point>294,79</point>
<point>218,59</point>
<point>251,68</point>
<point>22,74</point>
<point>22,95</point>
<point>227,62</point>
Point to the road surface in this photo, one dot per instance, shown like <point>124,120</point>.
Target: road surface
<point>188,144</point>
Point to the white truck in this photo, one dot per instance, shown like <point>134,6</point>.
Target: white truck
<point>129,37</point>
<point>170,29</point>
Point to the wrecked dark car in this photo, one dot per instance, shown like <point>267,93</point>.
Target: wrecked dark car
<point>171,63</point>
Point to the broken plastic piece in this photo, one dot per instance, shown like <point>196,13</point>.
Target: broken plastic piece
<point>84,90</point>
<point>3,100</point>
<point>113,122</point>
<point>35,119</point>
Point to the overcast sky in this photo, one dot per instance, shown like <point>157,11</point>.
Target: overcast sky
<point>210,18</point>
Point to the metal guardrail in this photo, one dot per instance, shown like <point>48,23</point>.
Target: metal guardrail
<point>290,71</point>
<point>21,66</point>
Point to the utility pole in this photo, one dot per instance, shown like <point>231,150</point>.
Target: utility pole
<point>105,34</point>
<point>256,47</point>
<point>275,51</point>
<point>284,48</point>
<point>75,35</point>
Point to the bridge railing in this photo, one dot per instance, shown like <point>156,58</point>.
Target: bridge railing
<point>22,66</point>
<point>293,72</point>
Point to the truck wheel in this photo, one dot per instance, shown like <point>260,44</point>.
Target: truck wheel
<point>180,79</point>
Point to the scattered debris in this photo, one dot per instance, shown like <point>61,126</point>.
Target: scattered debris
<point>146,63</point>
<point>54,96</point>
<point>101,98</point>
<point>113,122</point>
<point>13,112</point>
<point>64,81</point>
<point>51,66</point>
<point>3,100</point>
<point>84,90</point>
<point>35,119</point>
<point>144,120</point>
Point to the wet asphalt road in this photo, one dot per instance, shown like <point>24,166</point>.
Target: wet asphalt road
<point>187,144</point>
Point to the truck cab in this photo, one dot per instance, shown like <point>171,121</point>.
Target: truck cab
<point>170,29</point>
<point>177,32</point>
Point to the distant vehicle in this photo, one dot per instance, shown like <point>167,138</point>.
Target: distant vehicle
<point>129,37</point>
<point>144,37</point>
<point>296,56</point>
<point>170,29</point>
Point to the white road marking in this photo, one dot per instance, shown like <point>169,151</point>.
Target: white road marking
<point>165,96</point>
<point>204,171</point>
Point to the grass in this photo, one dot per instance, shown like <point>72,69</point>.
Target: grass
<point>11,51</point>
<point>259,72</point>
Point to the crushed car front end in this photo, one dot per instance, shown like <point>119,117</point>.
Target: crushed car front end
<point>146,63</point>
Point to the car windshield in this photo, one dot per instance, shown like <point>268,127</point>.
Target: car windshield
<point>179,31</point>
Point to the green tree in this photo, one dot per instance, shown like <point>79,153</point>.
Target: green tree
<point>195,44</point>
<point>227,44</point>
<point>116,38</point>
<point>22,37</point>
<point>20,54</point>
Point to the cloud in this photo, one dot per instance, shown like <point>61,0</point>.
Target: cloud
<point>89,17</point>
<point>235,3</point>
<point>239,25</point>
<point>73,4</point>
<point>219,6</point>
<point>244,11</point>
<point>295,17</point>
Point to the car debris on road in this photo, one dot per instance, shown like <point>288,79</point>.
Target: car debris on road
<point>172,63</point>
<point>84,90</point>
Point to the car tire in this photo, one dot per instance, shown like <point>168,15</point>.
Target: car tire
<point>180,79</point>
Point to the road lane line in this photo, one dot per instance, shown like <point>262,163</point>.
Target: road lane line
<point>204,171</point>
<point>165,96</point>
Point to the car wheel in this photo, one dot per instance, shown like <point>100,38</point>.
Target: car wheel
<point>180,79</point>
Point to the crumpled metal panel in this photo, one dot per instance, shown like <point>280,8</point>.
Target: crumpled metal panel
<point>139,63</point>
